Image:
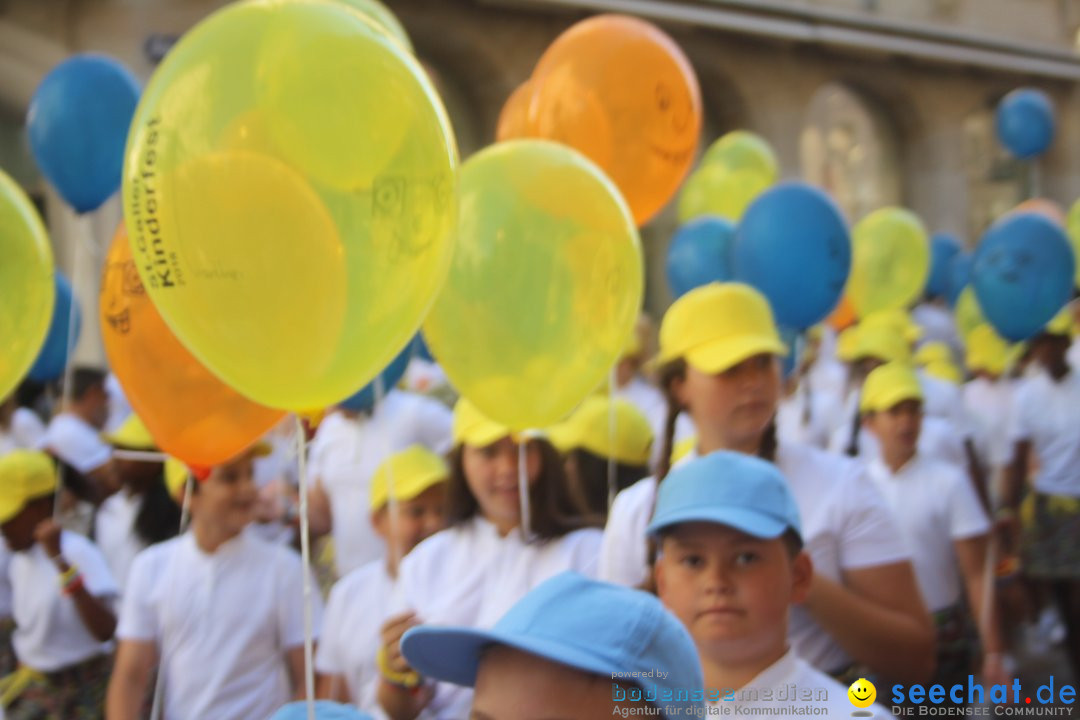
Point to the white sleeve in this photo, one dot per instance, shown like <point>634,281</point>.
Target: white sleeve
<point>1019,422</point>
<point>433,425</point>
<point>83,554</point>
<point>291,597</point>
<point>967,518</point>
<point>27,428</point>
<point>138,617</point>
<point>76,446</point>
<point>869,534</point>
<point>328,660</point>
<point>584,551</point>
<point>624,549</point>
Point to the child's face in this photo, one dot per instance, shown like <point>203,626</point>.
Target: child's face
<point>897,429</point>
<point>416,519</point>
<point>512,685</point>
<point>19,531</point>
<point>741,399</point>
<point>227,497</point>
<point>731,590</point>
<point>492,475</point>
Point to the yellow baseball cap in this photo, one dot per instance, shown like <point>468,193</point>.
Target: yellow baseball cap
<point>132,434</point>
<point>889,385</point>
<point>881,341</point>
<point>944,370</point>
<point>411,471</point>
<point>589,428</point>
<point>899,320</point>
<point>683,448</point>
<point>717,326</point>
<point>934,351</point>
<point>847,343</point>
<point>986,350</point>
<point>176,475</point>
<point>1061,324</point>
<point>25,475</point>
<point>472,427</point>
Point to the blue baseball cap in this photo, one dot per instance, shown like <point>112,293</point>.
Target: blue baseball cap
<point>727,488</point>
<point>324,710</point>
<point>585,624</point>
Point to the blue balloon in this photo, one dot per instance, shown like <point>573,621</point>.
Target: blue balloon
<point>701,253</point>
<point>1025,122</point>
<point>53,358</point>
<point>793,245</point>
<point>78,124</point>
<point>958,278</point>
<point>324,710</point>
<point>364,399</point>
<point>1022,274</point>
<point>943,248</point>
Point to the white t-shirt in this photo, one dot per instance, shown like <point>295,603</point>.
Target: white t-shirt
<point>938,439</point>
<point>49,634</point>
<point>358,604</point>
<point>114,532</point>
<point>222,623</point>
<point>846,526</point>
<point>791,683</point>
<point>937,324</point>
<point>942,399</point>
<point>26,432</point>
<point>807,416</point>
<point>1048,414</point>
<point>650,401</point>
<point>989,407</point>
<point>77,443</point>
<point>935,505</point>
<point>470,576</point>
<point>345,454</point>
<point>119,407</point>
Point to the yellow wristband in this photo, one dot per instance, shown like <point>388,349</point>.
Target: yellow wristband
<point>68,575</point>
<point>408,680</point>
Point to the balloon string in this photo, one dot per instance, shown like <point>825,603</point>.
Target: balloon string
<point>69,365</point>
<point>391,497</point>
<point>140,456</point>
<point>612,429</point>
<point>305,555</point>
<point>523,491</point>
<point>185,516</point>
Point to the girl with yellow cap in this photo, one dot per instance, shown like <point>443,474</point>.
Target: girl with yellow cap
<point>499,546</point>
<point>718,352</point>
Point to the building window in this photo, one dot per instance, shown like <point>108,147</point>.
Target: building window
<point>849,148</point>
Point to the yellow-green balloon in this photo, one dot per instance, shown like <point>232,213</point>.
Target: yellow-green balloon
<point>545,285</point>
<point>290,196</point>
<point>1073,228</point>
<point>968,313</point>
<point>27,292</point>
<point>743,150</point>
<point>720,190</point>
<point>383,18</point>
<point>890,261</point>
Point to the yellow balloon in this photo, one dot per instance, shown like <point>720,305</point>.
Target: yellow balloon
<point>968,313</point>
<point>890,261</point>
<point>290,195</point>
<point>383,19</point>
<point>720,190</point>
<point>545,287</point>
<point>742,149</point>
<point>27,292</point>
<point>1073,227</point>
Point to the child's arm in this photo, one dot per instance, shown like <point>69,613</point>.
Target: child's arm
<point>332,687</point>
<point>95,614</point>
<point>130,677</point>
<point>971,555</point>
<point>878,617</point>
<point>397,701</point>
<point>294,661</point>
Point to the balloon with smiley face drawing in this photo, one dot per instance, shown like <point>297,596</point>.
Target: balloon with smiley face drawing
<point>1022,274</point>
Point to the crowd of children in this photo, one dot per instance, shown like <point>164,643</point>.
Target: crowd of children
<point>870,515</point>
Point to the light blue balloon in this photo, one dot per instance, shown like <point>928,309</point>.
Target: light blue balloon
<point>53,358</point>
<point>1025,122</point>
<point>364,399</point>
<point>324,710</point>
<point>943,248</point>
<point>701,253</point>
<point>78,124</point>
<point>959,277</point>
<point>1022,274</point>
<point>793,245</point>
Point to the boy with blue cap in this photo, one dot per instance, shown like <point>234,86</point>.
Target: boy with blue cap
<point>730,565</point>
<point>572,648</point>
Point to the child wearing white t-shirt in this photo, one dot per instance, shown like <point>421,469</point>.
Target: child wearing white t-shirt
<point>346,660</point>
<point>472,572</point>
<point>218,610</point>
<point>730,564</point>
<point>943,522</point>
<point>63,598</point>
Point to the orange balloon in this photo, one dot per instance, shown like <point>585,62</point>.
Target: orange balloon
<point>514,116</point>
<point>843,316</point>
<point>191,414</point>
<point>1041,206</point>
<point>621,92</point>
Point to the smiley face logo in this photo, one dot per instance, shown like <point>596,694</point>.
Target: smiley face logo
<point>862,693</point>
